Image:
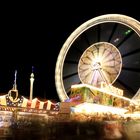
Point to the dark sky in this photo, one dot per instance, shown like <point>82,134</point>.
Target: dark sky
<point>32,35</point>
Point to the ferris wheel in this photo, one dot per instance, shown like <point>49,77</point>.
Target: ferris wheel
<point>105,48</point>
<point>101,62</point>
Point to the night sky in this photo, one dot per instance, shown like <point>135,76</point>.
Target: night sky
<point>32,35</point>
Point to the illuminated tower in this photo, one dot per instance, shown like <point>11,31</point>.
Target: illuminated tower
<point>15,81</point>
<point>31,84</point>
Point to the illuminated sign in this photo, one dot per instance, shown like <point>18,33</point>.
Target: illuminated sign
<point>110,88</point>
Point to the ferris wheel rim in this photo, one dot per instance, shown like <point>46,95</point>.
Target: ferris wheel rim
<point>116,18</point>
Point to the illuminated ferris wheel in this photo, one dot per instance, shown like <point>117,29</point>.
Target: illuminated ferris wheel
<point>103,49</point>
<point>101,62</point>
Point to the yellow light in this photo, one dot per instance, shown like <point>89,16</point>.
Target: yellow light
<point>90,108</point>
<point>110,88</point>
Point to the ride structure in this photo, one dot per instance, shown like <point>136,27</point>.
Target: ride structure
<point>95,63</point>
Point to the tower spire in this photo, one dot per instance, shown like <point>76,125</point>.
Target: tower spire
<point>31,84</point>
<point>15,81</point>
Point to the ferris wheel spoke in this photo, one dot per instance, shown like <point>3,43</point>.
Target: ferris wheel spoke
<point>85,73</point>
<point>78,50</point>
<point>70,75</point>
<point>83,68</point>
<point>117,63</point>
<point>71,62</point>
<point>108,59</point>
<point>88,78</point>
<point>113,31</point>
<point>68,90</point>
<point>106,53</point>
<point>131,53</point>
<point>86,60</point>
<point>86,39</point>
<point>126,86</point>
<point>126,38</point>
<point>110,64</point>
<point>101,52</point>
<point>111,72</point>
<point>90,55</point>
<point>98,32</point>
<point>132,69</point>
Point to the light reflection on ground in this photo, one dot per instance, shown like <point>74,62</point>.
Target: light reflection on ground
<point>106,130</point>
